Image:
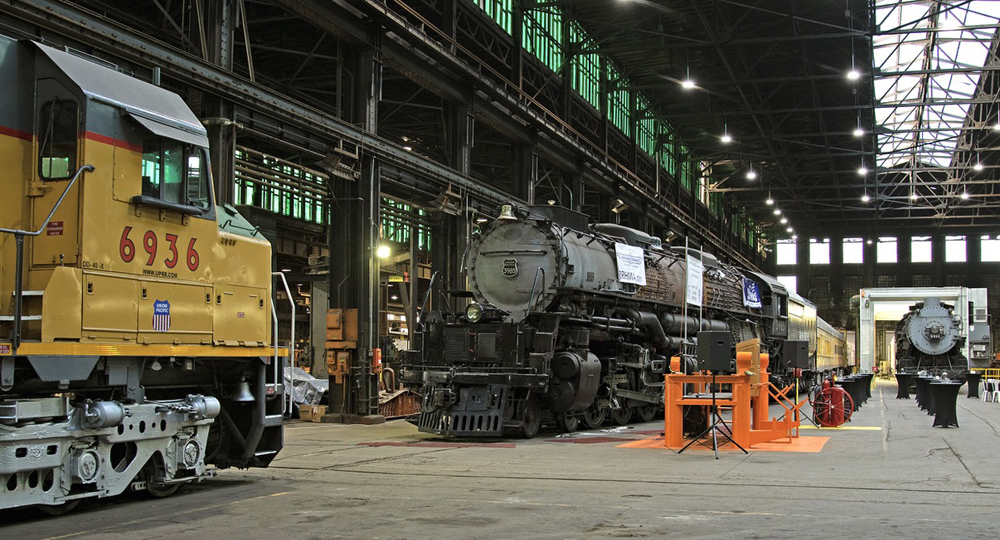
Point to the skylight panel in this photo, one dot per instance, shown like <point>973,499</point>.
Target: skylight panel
<point>927,55</point>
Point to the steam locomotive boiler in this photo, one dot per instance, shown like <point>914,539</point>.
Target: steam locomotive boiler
<point>135,313</point>
<point>929,338</point>
<point>572,323</point>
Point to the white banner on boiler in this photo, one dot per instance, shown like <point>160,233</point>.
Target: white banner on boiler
<point>694,281</point>
<point>631,264</point>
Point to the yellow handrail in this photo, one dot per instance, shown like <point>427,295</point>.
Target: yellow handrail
<point>988,373</point>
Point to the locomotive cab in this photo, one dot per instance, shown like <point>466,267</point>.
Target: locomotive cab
<point>136,252</point>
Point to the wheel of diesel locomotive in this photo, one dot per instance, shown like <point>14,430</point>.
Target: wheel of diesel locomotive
<point>832,407</point>
<point>153,470</point>
<point>593,417</point>
<point>531,417</point>
<point>217,441</point>
<point>58,509</point>
<point>568,422</point>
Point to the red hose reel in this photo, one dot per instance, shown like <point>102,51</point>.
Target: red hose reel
<point>832,406</point>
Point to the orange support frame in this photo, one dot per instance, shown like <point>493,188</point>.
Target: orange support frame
<point>748,403</point>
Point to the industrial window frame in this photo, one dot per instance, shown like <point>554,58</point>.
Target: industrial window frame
<point>179,182</point>
<point>542,36</point>
<point>58,133</point>
<point>501,11</point>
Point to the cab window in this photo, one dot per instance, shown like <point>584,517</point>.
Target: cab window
<point>57,135</point>
<point>175,172</point>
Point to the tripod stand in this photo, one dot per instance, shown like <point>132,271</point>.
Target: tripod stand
<point>716,420</point>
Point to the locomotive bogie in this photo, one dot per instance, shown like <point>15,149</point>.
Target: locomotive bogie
<point>60,453</point>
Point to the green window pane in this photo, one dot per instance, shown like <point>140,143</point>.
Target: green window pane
<point>500,11</point>
<point>585,67</point>
<point>618,101</point>
<point>542,36</point>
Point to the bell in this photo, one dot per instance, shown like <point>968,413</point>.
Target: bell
<point>507,213</point>
<point>243,393</point>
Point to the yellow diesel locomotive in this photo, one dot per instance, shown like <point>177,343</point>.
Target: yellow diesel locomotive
<point>136,345</point>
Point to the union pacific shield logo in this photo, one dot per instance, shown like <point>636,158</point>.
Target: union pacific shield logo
<point>509,268</point>
<point>161,315</point>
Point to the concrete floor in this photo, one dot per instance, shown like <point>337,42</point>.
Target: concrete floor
<point>902,479</point>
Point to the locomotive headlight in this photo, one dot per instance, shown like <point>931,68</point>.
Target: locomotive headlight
<point>473,313</point>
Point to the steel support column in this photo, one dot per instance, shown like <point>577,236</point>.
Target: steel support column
<point>524,172</point>
<point>354,270</point>
<point>450,234</point>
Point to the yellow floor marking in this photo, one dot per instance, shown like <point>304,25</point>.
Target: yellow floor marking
<point>67,535</point>
<point>846,428</point>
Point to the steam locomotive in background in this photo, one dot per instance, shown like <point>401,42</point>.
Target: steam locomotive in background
<point>575,323</point>
<point>138,312</point>
<point>929,338</point>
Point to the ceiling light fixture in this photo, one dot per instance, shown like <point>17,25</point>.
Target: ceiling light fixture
<point>777,211</point>
<point>862,170</point>
<point>751,174</point>
<point>853,75</point>
<point>687,83</point>
<point>865,198</point>
<point>784,220</point>
<point>726,138</point>
<point>769,201</point>
<point>789,229</point>
<point>965,195</point>
<point>979,163</point>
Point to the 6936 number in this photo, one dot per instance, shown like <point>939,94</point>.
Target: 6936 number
<point>150,244</point>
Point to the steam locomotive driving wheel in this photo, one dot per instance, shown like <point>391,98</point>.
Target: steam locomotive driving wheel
<point>622,414</point>
<point>594,417</point>
<point>646,413</point>
<point>568,422</point>
<point>531,417</point>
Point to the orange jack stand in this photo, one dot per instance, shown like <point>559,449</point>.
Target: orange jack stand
<point>749,401</point>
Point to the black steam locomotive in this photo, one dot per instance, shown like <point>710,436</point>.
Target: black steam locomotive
<point>929,338</point>
<point>574,323</point>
